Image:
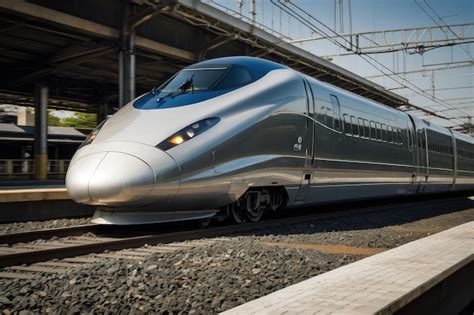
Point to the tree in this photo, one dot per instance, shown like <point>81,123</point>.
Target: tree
<point>53,120</point>
<point>80,120</point>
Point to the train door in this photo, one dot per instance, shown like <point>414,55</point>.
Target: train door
<point>414,158</point>
<point>455,162</point>
<point>310,126</point>
<point>423,161</point>
<point>305,184</point>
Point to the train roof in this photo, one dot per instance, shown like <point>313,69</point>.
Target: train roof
<point>464,137</point>
<point>259,67</point>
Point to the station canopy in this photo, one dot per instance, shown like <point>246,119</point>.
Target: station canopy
<point>73,47</point>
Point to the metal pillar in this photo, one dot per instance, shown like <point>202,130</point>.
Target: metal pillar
<point>102,113</point>
<point>41,131</point>
<point>252,12</point>
<point>126,57</point>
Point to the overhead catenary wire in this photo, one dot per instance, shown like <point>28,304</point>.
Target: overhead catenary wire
<point>370,60</point>
<point>441,20</point>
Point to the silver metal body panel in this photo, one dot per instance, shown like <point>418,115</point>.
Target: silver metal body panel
<point>270,133</point>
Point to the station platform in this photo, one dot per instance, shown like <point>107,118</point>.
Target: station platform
<point>433,275</point>
<point>31,193</point>
<point>38,201</point>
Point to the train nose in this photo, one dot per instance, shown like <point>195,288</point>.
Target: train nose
<point>110,178</point>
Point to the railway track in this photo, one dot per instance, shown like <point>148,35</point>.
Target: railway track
<point>78,242</point>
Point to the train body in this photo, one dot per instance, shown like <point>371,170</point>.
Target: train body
<point>245,135</point>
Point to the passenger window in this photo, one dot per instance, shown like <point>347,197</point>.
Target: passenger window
<point>361,127</point>
<point>373,131</point>
<point>336,109</point>
<point>322,115</point>
<point>329,119</point>
<point>395,135</point>
<point>355,127</point>
<point>384,133</point>
<point>379,131</point>
<point>390,134</point>
<point>367,129</point>
<point>347,125</point>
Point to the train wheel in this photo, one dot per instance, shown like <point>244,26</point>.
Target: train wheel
<point>203,223</point>
<point>252,205</point>
<point>254,215</point>
<point>235,213</point>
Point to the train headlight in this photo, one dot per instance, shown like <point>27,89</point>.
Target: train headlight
<point>91,137</point>
<point>187,133</point>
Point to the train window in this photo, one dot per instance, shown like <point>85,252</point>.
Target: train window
<point>237,76</point>
<point>347,125</point>
<point>361,128</point>
<point>355,127</point>
<point>384,133</point>
<point>336,109</point>
<point>321,117</point>
<point>325,117</point>
<point>390,134</point>
<point>329,118</point>
<point>379,131</point>
<point>367,129</point>
<point>202,79</point>
<point>373,132</point>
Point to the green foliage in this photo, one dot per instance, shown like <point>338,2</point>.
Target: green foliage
<point>53,120</point>
<point>78,120</point>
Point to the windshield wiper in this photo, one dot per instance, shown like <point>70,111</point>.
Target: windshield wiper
<point>182,89</point>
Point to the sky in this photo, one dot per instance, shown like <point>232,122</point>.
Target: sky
<point>375,15</point>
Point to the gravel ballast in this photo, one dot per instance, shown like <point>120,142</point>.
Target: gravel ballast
<point>18,227</point>
<point>213,277</point>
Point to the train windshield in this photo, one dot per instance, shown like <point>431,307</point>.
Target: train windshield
<point>200,78</point>
<point>193,85</point>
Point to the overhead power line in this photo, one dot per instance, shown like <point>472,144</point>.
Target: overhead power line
<point>334,37</point>
<point>440,20</point>
<point>412,40</point>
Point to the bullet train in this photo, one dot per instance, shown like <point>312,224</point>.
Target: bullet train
<point>238,137</point>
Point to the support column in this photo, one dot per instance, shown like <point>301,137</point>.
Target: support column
<point>126,56</point>
<point>41,131</point>
<point>102,113</point>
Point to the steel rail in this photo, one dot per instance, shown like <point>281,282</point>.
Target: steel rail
<point>34,256</point>
<point>23,237</point>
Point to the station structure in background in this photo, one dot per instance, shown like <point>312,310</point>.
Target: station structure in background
<point>95,56</point>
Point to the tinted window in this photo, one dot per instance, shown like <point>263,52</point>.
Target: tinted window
<point>237,76</point>
<point>336,112</point>
<point>373,130</point>
<point>329,119</point>
<point>347,125</point>
<point>367,129</point>
<point>323,116</point>
<point>202,79</point>
<point>355,128</point>
<point>384,133</point>
<point>379,131</point>
<point>390,134</point>
<point>361,128</point>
